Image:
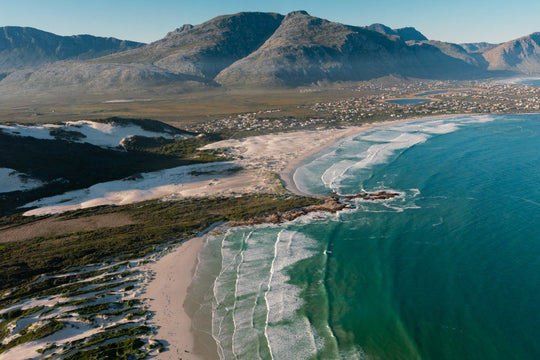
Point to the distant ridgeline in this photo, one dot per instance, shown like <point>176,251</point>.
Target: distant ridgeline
<point>247,49</point>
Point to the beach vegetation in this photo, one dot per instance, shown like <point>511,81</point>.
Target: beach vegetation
<point>156,223</point>
<point>28,334</point>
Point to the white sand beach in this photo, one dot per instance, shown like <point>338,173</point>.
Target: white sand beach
<point>166,294</point>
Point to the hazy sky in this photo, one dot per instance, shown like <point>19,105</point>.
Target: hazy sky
<point>148,20</point>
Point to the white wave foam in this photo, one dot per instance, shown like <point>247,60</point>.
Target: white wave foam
<point>376,154</point>
<point>386,143</point>
<point>259,320</point>
<point>335,173</point>
<point>477,119</point>
<point>287,332</point>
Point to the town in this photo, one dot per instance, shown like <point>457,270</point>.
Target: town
<point>441,98</point>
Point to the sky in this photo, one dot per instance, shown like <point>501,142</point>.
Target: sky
<point>455,21</point>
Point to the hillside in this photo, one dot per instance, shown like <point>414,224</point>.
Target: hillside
<point>456,51</point>
<point>478,47</point>
<point>22,47</point>
<point>206,49</point>
<point>520,55</point>
<point>306,49</point>
<point>49,159</point>
<point>82,78</point>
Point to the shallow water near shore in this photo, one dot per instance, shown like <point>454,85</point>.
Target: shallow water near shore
<point>448,270</point>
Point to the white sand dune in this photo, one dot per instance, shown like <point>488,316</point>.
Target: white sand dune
<point>12,180</point>
<point>108,135</point>
<point>176,182</point>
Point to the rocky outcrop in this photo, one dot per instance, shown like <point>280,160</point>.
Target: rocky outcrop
<point>330,205</point>
<point>379,195</point>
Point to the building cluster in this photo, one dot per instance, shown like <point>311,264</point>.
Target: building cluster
<point>372,104</point>
<point>257,122</point>
<point>483,99</point>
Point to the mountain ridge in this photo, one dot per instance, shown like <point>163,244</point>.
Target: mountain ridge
<point>22,47</point>
<point>254,49</point>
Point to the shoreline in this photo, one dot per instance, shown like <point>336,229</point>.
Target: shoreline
<point>287,174</point>
<point>169,288</point>
<point>166,293</point>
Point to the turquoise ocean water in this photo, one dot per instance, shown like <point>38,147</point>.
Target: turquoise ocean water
<point>448,270</point>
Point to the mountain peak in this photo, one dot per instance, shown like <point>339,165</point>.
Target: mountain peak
<point>521,55</point>
<point>298,12</point>
<point>406,33</point>
<point>180,30</point>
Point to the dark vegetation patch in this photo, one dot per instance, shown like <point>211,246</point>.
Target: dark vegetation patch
<point>67,135</point>
<point>122,350</point>
<point>30,335</point>
<point>145,124</point>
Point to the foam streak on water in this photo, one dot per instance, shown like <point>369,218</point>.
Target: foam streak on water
<point>258,318</point>
<point>380,145</point>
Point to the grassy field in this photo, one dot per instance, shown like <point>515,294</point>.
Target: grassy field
<point>177,110</point>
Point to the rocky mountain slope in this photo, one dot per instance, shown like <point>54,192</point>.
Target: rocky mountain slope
<point>478,47</point>
<point>456,51</point>
<point>406,33</point>
<point>245,49</point>
<point>305,49</point>
<point>22,47</point>
<point>206,49</point>
<point>521,55</point>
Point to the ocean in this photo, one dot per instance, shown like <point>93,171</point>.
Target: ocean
<point>450,269</point>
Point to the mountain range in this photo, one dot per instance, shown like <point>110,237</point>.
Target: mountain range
<point>250,49</point>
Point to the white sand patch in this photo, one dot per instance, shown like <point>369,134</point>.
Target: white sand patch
<point>12,180</point>
<point>283,153</point>
<point>107,135</point>
<point>77,328</point>
<point>35,131</point>
<point>176,182</point>
<point>74,330</point>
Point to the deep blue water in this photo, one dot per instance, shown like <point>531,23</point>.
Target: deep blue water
<point>448,270</point>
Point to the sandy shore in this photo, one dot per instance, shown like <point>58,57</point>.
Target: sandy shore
<point>167,293</point>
